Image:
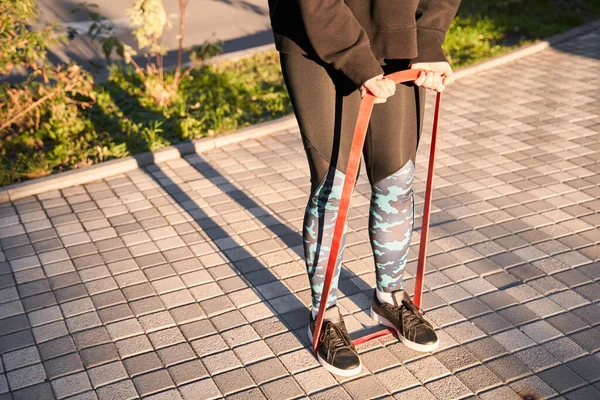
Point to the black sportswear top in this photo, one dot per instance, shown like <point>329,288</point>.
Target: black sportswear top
<point>355,35</point>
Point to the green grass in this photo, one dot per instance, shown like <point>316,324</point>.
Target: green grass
<point>124,120</point>
<point>217,99</point>
<point>486,28</point>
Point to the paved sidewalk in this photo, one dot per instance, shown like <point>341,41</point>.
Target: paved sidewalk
<point>185,279</point>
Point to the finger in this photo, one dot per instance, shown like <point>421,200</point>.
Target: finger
<point>392,86</point>
<point>429,80</point>
<point>437,81</point>
<point>381,89</point>
<point>387,88</point>
<point>384,89</point>
<point>376,90</point>
<point>420,79</point>
<point>448,80</point>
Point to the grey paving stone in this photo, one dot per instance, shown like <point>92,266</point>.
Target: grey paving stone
<point>478,378</point>
<point>188,372</point>
<point>508,368</point>
<point>267,370</point>
<point>120,390</point>
<point>146,305</point>
<point>64,365</point>
<point>197,329</point>
<point>108,299</point>
<point>97,355</point>
<point>497,300</point>
<point>107,374</point>
<point>233,381</point>
<point>43,391</point>
<point>588,367</point>
<point>176,354</point>
<point>590,314</point>
<point>71,385</point>
<point>14,324</point>
<point>448,388</point>
<point>589,339</point>
<point>586,392</point>
<point>251,394</point>
<point>533,386</point>
<point>540,331</point>
<point>299,360</point>
<point>284,343</point>
<point>491,323</point>
<point>486,349</point>
<point>503,392</point>
<point>365,387</point>
<point>315,380</point>
<point>514,339</point>
<point>91,337</point>
<point>21,358</point>
<point>456,358</point>
<point>187,313</point>
<point>253,352</point>
<point>153,382</point>
<point>561,378</point>
<point>202,389</point>
<point>142,364</point>
<point>416,393</point>
<point>27,376</point>
<point>166,337</point>
<point>396,379</point>
<point>124,329</point>
<point>464,332</point>
<point>564,349</point>
<point>153,322</point>
<point>50,331</point>
<point>427,369</point>
<point>403,353</point>
<point>518,315</point>
<point>3,384</point>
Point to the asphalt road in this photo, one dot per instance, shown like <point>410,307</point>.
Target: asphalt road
<point>240,24</point>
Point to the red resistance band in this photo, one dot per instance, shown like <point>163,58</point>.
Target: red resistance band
<point>358,140</point>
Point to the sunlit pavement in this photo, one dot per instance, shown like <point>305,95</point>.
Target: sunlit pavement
<point>185,279</point>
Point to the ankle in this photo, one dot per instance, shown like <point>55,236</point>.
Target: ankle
<point>385,297</point>
<point>315,310</point>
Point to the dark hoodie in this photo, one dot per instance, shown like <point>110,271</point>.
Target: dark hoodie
<point>354,36</point>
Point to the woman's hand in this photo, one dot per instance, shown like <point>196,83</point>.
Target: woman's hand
<point>438,75</point>
<point>381,87</point>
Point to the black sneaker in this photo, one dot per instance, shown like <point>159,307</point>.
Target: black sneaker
<point>335,352</point>
<point>407,319</point>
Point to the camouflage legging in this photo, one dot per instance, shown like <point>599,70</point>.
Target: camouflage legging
<point>326,105</point>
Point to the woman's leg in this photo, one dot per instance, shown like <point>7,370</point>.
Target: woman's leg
<point>390,151</point>
<point>326,104</point>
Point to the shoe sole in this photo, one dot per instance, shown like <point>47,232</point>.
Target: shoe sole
<point>411,345</point>
<point>331,368</point>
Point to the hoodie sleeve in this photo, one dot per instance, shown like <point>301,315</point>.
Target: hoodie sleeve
<point>434,17</point>
<point>339,39</point>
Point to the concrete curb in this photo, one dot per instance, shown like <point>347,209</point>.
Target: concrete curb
<point>526,50</point>
<point>107,169</point>
<point>104,170</point>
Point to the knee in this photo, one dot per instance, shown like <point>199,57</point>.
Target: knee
<point>398,184</point>
<point>329,191</point>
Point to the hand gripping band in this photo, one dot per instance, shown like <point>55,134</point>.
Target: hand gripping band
<point>358,140</point>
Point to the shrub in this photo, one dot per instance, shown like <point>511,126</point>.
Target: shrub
<point>40,123</point>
